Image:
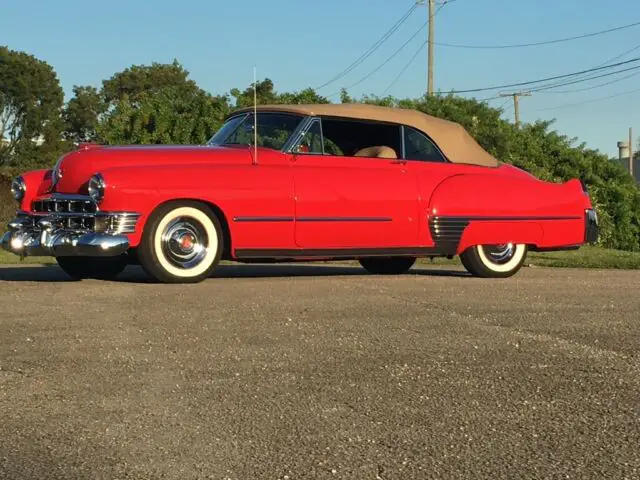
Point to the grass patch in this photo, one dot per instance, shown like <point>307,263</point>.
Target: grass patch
<point>7,258</point>
<point>585,257</point>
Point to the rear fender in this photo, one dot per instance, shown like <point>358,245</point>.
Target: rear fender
<point>504,208</point>
<point>492,232</point>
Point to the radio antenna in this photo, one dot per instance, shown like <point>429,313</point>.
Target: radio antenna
<point>255,117</point>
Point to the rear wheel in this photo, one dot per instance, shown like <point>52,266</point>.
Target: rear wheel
<point>494,261</point>
<point>182,243</point>
<point>387,265</point>
<point>103,268</point>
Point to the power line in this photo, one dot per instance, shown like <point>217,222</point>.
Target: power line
<point>415,55</point>
<point>610,82</point>
<point>548,42</point>
<point>404,69</point>
<point>590,101</point>
<point>589,76</point>
<point>371,49</point>
<point>391,57</point>
<point>573,82</point>
<point>617,57</point>
<point>505,102</point>
<point>557,77</point>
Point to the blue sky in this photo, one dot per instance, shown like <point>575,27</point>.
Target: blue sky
<point>301,44</point>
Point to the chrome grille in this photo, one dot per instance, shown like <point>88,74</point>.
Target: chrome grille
<point>116,222</point>
<point>75,204</point>
<point>81,213</point>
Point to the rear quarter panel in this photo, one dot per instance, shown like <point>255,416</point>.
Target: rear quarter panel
<point>504,208</point>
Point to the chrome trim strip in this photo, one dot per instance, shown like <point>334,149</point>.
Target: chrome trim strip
<point>344,219</point>
<point>67,196</point>
<point>263,219</point>
<point>505,219</point>
<point>312,219</point>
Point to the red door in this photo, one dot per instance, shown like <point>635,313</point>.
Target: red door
<point>354,202</point>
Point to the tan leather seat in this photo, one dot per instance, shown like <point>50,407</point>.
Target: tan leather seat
<point>377,152</point>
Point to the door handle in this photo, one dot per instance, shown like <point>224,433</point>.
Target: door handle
<point>398,162</point>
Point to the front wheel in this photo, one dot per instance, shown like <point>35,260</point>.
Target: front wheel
<point>102,268</point>
<point>387,265</point>
<point>494,261</point>
<point>182,243</point>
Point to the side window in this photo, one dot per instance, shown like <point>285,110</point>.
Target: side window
<point>418,147</point>
<point>311,142</point>
<point>356,138</point>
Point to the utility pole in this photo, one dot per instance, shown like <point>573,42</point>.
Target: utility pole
<point>432,25</point>
<point>516,103</point>
<point>631,152</point>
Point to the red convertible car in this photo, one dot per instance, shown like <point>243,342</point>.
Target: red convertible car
<point>296,182</point>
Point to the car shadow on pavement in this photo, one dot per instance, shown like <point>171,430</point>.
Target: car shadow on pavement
<point>134,274</point>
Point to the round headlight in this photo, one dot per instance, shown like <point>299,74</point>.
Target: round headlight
<point>18,188</point>
<point>97,187</point>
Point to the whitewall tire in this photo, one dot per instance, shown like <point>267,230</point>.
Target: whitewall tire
<point>182,243</point>
<point>494,261</point>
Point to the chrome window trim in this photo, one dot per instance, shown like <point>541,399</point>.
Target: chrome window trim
<point>288,145</point>
<point>308,126</point>
<point>321,135</point>
<point>297,135</point>
<point>229,118</point>
<point>404,148</point>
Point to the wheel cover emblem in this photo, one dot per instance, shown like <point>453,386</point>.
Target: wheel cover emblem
<point>185,242</point>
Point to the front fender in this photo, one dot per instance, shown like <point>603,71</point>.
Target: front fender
<point>237,190</point>
<point>38,183</point>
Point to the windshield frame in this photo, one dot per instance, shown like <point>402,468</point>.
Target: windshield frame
<point>287,145</point>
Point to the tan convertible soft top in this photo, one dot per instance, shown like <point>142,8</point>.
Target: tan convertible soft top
<point>452,138</point>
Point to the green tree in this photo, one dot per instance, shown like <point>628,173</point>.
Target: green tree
<point>345,97</point>
<point>82,114</point>
<point>31,101</point>
<point>139,81</point>
<point>172,115</point>
<point>266,95</point>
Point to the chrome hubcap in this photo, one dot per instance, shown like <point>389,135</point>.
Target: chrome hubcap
<point>185,242</point>
<point>500,253</point>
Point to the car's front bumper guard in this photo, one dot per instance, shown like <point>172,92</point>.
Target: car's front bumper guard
<point>29,236</point>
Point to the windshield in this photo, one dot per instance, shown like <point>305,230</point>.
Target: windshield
<point>274,129</point>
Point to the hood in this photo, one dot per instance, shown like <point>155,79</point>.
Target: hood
<point>73,171</point>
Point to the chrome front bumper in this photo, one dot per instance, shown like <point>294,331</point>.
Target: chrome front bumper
<point>43,236</point>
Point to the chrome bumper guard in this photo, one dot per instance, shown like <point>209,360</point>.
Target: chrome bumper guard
<point>50,235</point>
<point>591,227</point>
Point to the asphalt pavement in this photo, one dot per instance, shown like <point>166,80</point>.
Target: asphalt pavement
<point>320,372</point>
